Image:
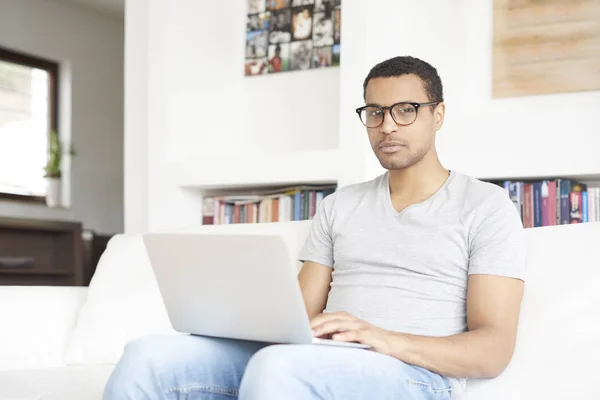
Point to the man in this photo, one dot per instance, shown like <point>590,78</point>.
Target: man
<point>423,264</point>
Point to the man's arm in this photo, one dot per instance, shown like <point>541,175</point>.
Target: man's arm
<point>493,304</point>
<point>314,282</point>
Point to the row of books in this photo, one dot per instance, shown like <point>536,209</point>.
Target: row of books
<point>554,202</point>
<point>287,204</point>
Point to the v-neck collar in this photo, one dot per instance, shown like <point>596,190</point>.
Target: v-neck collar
<point>388,198</point>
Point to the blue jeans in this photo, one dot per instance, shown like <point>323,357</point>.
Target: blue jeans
<point>195,367</point>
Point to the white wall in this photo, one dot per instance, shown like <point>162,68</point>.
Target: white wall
<point>136,117</point>
<point>210,106</point>
<point>545,135</point>
<point>89,48</point>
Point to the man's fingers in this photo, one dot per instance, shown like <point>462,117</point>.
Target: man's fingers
<point>324,317</point>
<point>336,325</point>
<point>349,336</point>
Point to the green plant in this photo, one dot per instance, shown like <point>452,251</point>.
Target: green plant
<point>55,154</point>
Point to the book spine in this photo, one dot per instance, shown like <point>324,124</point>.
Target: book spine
<point>592,204</point>
<point>306,205</point>
<point>275,210</point>
<point>528,205</point>
<point>297,200</point>
<point>553,203</point>
<point>575,204</point>
<point>565,205</point>
<point>281,209</point>
<point>584,207</point>
<point>557,201</point>
<point>544,193</point>
<point>537,204</point>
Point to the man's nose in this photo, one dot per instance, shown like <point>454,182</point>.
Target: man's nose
<point>388,125</point>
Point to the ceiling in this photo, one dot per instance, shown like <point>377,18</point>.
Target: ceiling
<point>112,7</point>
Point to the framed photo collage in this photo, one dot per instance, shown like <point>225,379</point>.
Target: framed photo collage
<point>291,35</point>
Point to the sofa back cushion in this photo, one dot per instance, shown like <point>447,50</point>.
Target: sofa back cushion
<point>124,302</point>
<point>558,342</point>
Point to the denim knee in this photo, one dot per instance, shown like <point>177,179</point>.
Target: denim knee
<point>147,350</point>
<point>271,372</point>
<point>134,373</point>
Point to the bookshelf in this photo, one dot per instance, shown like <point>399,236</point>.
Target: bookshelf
<point>261,187</point>
<point>284,204</point>
<point>550,201</point>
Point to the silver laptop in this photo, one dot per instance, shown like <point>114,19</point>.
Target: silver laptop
<point>239,286</point>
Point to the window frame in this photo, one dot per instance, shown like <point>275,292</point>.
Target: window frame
<point>52,68</point>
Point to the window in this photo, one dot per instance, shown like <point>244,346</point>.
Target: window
<point>28,113</point>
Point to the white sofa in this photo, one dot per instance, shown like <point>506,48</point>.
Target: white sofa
<point>62,342</point>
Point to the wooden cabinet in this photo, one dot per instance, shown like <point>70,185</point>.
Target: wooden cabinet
<point>40,252</point>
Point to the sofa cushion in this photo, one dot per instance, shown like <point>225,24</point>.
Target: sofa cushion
<point>35,323</point>
<point>124,302</point>
<point>63,383</point>
<point>558,345</point>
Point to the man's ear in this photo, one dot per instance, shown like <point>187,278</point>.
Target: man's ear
<point>438,115</point>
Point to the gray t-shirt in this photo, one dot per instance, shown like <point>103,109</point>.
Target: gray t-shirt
<point>407,272</point>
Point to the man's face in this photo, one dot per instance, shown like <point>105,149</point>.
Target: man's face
<point>397,146</point>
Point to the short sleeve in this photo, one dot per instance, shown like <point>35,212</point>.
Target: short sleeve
<point>318,246</point>
<point>497,239</point>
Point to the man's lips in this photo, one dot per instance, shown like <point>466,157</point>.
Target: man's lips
<point>390,147</point>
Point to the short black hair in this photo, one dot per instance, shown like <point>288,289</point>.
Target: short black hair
<point>404,65</point>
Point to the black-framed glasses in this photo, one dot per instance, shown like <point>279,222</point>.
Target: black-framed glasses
<point>404,113</point>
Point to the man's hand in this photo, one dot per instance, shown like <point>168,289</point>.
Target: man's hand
<point>347,328</point>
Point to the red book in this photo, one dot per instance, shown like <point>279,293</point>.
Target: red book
<point>552,199</point>
<point>275,210</point>
<point>236,214</point>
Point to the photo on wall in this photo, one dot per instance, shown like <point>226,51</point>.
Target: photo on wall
<point>291,35</point>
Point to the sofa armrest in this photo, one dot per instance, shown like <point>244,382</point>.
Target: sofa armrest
<point>35,324</point>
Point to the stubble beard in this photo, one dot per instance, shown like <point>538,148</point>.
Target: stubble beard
<point>397,161</point>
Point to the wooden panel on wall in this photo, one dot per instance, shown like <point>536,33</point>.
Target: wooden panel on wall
<point>545,46</point>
